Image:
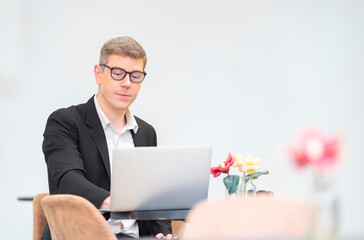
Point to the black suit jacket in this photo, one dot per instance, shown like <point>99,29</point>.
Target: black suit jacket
<point>77,158</point>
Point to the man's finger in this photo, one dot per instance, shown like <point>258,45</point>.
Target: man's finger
<point>169,236</point>
<point>159,235</point>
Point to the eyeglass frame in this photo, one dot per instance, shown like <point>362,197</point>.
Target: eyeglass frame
<point>126,73</point>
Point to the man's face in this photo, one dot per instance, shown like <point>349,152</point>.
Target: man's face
<point>116,96</point>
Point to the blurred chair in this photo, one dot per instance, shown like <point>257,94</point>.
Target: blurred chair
<point>178,228</point>
<point>73,217</point>
<point>251,217</point>
<point>39,219</point>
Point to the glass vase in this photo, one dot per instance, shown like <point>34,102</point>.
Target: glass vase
<point>325,198</point>
<point>250,187</point>
<point>242,186</point>
<point>240,191</point>
<point>245,187</point>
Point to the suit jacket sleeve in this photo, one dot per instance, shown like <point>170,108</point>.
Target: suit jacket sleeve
<point>64,161</point>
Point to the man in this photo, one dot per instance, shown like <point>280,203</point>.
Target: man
<point>79,140</point>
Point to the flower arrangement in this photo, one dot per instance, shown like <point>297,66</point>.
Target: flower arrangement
<point>248,166</point>
<point>322,153</point>
<point>316,150</point>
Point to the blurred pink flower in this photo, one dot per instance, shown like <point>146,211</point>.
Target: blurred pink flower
<point>314,148</point>
<point>223,167</point>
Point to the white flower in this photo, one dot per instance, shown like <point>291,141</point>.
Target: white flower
<point>248,164</point>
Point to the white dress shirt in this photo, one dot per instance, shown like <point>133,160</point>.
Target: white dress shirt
<point>122,140</point>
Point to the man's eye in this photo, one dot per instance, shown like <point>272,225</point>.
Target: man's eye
<point>137,75</point>
<point>118,73</point>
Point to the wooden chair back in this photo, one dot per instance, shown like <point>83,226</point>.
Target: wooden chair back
<point>178,228</point>
<point>39,219</point>
<point>72,217</point>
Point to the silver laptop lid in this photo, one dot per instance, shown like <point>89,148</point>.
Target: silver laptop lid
<point>159,178</point>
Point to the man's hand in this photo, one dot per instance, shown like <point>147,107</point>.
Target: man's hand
<point>106,203</point>
<point>160,235</point>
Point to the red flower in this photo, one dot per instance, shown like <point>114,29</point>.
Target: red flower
<point>223,167</point>
<point>313,148</point>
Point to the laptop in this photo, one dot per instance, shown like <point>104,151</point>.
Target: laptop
<point>159,178</point>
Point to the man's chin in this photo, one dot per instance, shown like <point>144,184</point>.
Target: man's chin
<point>121,106</point>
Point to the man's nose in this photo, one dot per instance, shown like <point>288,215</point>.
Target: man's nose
<point>126,81</point>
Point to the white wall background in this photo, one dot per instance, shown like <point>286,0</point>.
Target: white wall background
<point>242,76</point>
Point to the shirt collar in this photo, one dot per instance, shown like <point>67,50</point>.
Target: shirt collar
<point>131,123</point>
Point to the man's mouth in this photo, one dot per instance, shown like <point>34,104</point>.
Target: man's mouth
<point>123,95</point>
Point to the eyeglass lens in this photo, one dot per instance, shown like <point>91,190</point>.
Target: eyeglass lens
<point>119,74</point>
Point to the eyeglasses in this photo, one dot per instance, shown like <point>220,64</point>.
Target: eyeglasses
<point>119,74</point>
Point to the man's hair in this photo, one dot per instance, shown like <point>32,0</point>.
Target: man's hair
<point>125,46</point>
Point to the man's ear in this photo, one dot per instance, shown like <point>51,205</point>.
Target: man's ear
<point>98,72</point>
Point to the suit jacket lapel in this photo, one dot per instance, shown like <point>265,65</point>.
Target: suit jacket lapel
<point>97,132</point>
<point>138,139</point>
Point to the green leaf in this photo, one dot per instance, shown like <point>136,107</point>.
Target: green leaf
<point>256,175</point>
<point>231,183</point>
